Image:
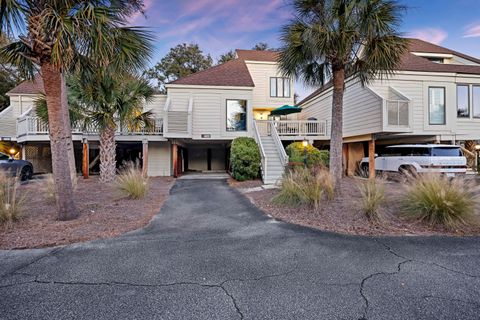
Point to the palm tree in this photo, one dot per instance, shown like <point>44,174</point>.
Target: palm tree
<point>56,37</point>
<point>331,40</point>
<point>107,102</point>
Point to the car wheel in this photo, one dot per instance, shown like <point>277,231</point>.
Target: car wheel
<point>26,173</point>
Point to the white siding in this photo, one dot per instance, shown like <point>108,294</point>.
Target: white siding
<point>8,123</point>
<point>209,110</point>
<point>156,105</point>
<point>21,104</point>
<point>159,159</point>
<point>261,74</point>
<point>362,112</point>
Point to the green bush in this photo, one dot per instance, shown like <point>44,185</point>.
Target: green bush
<point>305,186</point>
<point>245,159</point>
<point>315,157</point>
<point>439,200</point>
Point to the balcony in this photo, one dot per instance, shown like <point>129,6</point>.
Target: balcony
<point>295,129</point>
<point>35,129</point>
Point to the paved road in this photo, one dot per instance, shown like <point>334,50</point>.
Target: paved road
<point>210,254</point>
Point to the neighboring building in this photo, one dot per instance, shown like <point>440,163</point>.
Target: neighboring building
<point>196,121</point>
<point>433,97</point>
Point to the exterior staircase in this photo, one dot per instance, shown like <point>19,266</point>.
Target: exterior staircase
<point>274,158</point>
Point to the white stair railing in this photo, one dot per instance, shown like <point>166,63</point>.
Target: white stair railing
<point>263,155</point>
<point>278,144</point>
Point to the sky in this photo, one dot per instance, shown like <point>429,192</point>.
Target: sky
<point>218,26</point>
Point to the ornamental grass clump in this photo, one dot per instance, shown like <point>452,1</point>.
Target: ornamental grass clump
<point>441,201</point>
<point>373,197</point>
<point>11,203</point>
<point>132,182</point>
<point>304,186</point>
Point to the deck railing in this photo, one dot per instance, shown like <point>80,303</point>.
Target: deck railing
<point>300,128</point>
<point>35,126</point>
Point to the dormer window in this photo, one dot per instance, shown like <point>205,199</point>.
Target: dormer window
<point>279,87</point>
<point>436,59</point>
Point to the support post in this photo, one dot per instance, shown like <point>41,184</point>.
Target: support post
<point>371,158</point>
<point>85,159</point>
<point>145,157</point>
<point>24,149</point>
<point>175,160</point>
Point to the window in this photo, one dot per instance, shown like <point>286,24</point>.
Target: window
<point>463,101</point>
<point>446,152</point>
<point>280,87</point>
<point>436,59</point>
<point>476,101</point>
<point>236,115</point>
<point>436,105</point>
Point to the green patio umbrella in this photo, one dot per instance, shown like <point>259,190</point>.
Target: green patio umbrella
<point>284,110</point>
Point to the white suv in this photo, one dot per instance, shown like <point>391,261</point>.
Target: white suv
<point>420,158</point>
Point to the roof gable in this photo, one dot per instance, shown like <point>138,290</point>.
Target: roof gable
<point>233,73</point>
<point>29,87</point>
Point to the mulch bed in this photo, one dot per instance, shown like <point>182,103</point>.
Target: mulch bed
<point>245,184</point>
<point>343,214</point>
<point>104,213</point>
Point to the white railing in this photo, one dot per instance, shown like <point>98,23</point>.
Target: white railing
<point>263,155</point>
<point>397,113</point>
<point>300,128</point>
<point>35,126</point>
<point>278,143</point>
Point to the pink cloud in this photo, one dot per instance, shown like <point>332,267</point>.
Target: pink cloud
<point>472,31</point>
<point>433,35</point>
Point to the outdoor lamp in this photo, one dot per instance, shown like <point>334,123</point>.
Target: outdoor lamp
<point>12,151</point>
<point>305,144</point>
<point>477,147</point>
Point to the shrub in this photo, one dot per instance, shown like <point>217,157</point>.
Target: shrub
<point>132,182</point>
<point>245,159</point>
<point>315,157</point>
<point>439,200</point>
<point>305,186</point>
<point>11,204</point>
<point>49,188</point>
<point>373,196</point>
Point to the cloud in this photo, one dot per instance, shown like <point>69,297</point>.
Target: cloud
<point>472,31</point>
<point>433,35</point>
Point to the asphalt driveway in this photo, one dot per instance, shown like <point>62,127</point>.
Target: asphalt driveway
<point>209,254</point>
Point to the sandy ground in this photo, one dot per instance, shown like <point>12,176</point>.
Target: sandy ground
<point>343,214</point>
<point>104,213</point>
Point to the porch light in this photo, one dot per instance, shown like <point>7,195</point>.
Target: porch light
<point>12,151</point>
<point>305,143</point>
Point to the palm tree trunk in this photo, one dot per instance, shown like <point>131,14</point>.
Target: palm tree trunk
<point>108,164</point>
<point>336,136</point>
<point>60,141</point>
<point>68,127</point>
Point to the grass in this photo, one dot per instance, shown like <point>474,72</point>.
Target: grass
<point>132,182</point>
<point>11,203</point>
<point>438,200</point>
<point>304,186</point>
<point>372,192</point>
<point>48,186</point>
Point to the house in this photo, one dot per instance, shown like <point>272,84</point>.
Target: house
<point>197,119</point>
<point>434,96</point>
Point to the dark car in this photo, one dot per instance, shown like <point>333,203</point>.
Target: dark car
<point>16,167</point>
